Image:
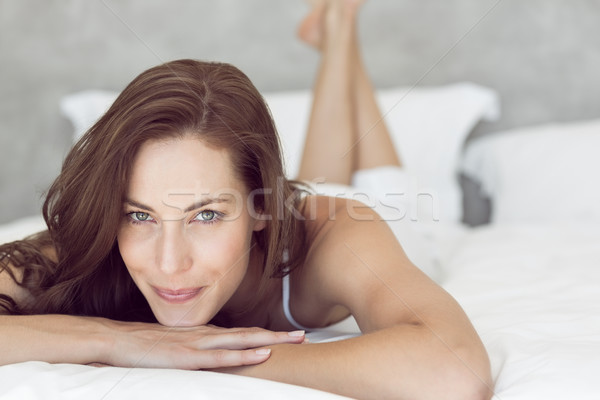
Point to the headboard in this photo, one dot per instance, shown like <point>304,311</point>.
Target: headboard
<point>542,56</point>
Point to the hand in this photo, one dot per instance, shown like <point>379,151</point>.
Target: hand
<point>202,347</point>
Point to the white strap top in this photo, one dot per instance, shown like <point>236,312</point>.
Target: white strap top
<point>285,284</point>
<point>316,335</point>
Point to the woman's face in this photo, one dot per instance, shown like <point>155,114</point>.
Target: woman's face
<point>186,231</point>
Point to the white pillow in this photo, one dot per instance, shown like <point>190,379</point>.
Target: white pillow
<point>428,127</point>
<point>539,174</point>
<point>84,108</point>
<point>20,228</point>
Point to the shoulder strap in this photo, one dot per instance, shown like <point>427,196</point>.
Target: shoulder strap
<point>285,284</point>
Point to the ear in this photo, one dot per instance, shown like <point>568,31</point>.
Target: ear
<point>259,223</point>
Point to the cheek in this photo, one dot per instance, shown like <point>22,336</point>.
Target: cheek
<point>134,250</point>
<point>227,249</point>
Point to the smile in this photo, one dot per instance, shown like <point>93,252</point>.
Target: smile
<point>177,296</point>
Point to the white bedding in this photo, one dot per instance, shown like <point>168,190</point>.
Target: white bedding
<point>533,294</point>
<point>37,380</point>
<point>532,291</point>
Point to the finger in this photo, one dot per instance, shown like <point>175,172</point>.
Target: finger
<point>231,358</point>
<point>248,339</point>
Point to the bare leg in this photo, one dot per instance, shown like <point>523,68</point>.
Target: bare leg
<point>331,130</point>
<point>346,131</point>
<point>373,144</point>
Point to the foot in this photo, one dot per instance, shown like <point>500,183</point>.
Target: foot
<point>310,30</point>
<point>324,19</point>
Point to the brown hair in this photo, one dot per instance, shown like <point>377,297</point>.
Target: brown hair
<point>83,207</point>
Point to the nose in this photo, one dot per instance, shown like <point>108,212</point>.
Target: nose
<point>174,253</point>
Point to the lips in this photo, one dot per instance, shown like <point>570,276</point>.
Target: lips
<point>177,296</point>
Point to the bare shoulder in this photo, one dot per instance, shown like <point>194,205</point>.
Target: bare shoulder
<point>343,234</point>
<point>337,225</point>
<point>356,262</point>
<point>324,213</point>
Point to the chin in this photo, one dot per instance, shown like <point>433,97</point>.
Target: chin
<point>179,319</point>
<point>178,322</point>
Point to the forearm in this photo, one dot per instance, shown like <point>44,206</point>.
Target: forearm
<point>406,361</point>
<point>85,340</point>
<point>51,338</point>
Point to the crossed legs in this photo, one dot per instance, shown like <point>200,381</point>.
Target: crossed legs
<point>346,131</point>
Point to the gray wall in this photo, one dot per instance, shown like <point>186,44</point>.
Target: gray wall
<point>541,55</point>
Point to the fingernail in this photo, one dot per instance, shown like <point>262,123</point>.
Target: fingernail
<point>263,352</point>
<point>306,341</point>
<point>296,333</point>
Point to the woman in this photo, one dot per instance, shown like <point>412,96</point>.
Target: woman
<point>171,215</point>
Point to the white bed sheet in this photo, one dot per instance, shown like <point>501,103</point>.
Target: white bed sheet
<point>39,380</point>
<point>533,294</point>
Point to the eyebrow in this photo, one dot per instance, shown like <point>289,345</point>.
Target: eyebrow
<point>199,204</point>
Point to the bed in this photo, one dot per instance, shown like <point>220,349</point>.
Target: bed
<point>531,291</point>
<point>526,266</point>
<point>529,279</point>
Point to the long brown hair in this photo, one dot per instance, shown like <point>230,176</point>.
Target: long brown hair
<point>83,207</point>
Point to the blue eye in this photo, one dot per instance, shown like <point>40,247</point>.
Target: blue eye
<point>139,216</point>
<point>207,216</point>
